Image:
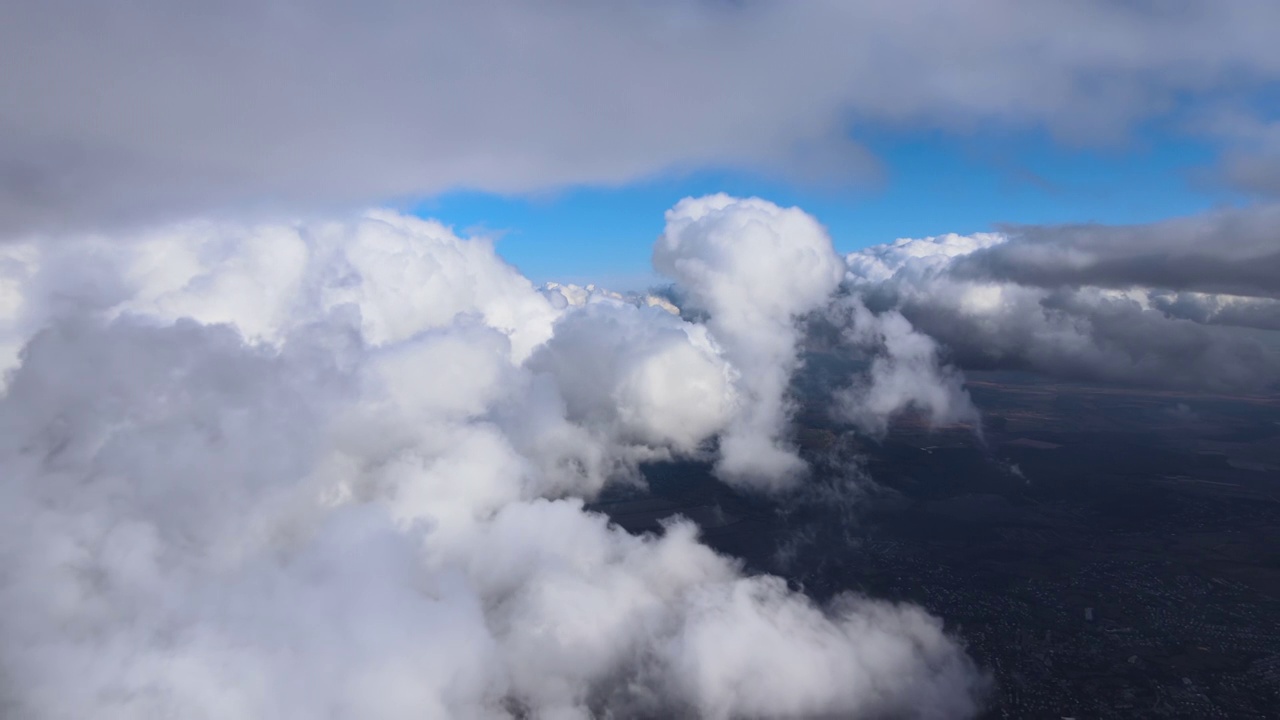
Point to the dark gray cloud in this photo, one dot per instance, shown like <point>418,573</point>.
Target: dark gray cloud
<point>1251,162</point>
<point>1209,309</point>
<point>1082,336</point>
<point>125,111</point>
<point>1234,251</point>
<point>1258,174</point>
<point>1093,303</point>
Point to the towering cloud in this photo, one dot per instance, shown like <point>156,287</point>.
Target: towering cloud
<point>336,470</point>
<point>755,268</point>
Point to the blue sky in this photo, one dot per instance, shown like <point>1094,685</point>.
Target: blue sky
<point>930,183</point>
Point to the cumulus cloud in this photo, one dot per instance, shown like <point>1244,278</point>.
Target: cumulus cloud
<point>755,268</point>
<point>906,372</point>
<point>649,377</point>
<point>337,470</point>
<point>1185,303</point>
<point>121,113</point>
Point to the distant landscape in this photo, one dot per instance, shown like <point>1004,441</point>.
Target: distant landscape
<point>1102,551</point>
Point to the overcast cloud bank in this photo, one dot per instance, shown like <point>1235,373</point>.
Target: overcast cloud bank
<point>124,113</point>
<point>1188,303</point>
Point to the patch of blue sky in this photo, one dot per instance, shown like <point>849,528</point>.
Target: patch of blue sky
<point>931,183</point>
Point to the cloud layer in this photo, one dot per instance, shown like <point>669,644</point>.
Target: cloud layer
<point>336,470</point>
<point>1230,252</point>
<point>1186,303</point>
<point>123,113</point>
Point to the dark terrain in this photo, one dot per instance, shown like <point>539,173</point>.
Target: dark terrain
<point>1103,552</point>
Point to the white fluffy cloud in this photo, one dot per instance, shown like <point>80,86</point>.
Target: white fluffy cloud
<point>641,374</point>
<point>755,268</point>
<point>335,470</point>
<point>906,372</point>
<point>398,275</point>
